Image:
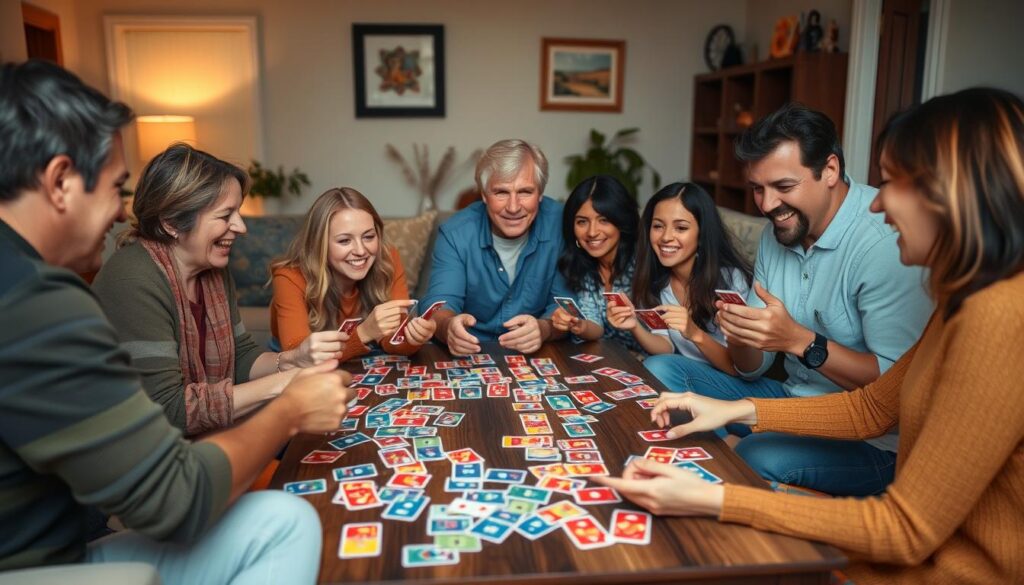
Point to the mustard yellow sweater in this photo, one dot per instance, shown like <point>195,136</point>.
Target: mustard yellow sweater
<point>955,511</point>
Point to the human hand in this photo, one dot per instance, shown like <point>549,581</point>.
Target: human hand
<point>319,347</point>
<point>525,335</point>
<point>384,320</point>
<point>420,330</point>
<point>622,317</point>
<point>318,398</point>
<point>707,413</point>
<point>666,490</point>
<point>460,341</point>
<point>562,320</point>
<point>768,329</point>
<point>678,318</point>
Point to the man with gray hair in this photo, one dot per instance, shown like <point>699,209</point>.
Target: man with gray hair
<point>494,262</point>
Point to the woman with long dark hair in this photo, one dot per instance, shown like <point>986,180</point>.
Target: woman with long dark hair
<point>599,224</point>
<point>953,188</point>
<point>684,255</point>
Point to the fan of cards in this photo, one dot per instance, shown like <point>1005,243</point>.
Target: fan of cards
<point>489,504</point>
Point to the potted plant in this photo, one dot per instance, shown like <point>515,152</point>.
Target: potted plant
<point>270,184</point>
<point>611,158</point>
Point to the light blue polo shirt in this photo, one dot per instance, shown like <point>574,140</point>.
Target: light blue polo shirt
<point>849,286</point>
<point>468,274</point>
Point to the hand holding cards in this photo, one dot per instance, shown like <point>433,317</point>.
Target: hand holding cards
<point>651,319</point>
<point>730,296</point>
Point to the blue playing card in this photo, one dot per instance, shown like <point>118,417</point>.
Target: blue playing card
<point>412,432</point>
<point>534,527</point>
<point>405,509</point>
<point>599,407</point>
<point>560,402</point>
<point>505,475</point>
<point>304,488</point>
<point>470,392</point>
<point>700,471</point>
<point>349,441</point>
<point>531,494</point>
<point>491,530</point>
<point>578,430</point>
<point>448,525</point>
<point>454,485</point>
<point>377,419</point>
<point>355,472</point>
<point>349,424</point>
<point>486,496</point>
<point>431,453</point>
<point>467,470</point>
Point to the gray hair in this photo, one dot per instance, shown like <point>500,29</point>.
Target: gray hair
<point>45,112</point>
<point>505,158</point>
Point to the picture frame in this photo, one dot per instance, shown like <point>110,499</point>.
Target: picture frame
<point>399,70</point>
<point>583,75</point>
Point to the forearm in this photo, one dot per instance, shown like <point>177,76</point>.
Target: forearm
<point>848,368</point>
<point>591,331</point>
<point>716,353</point>
<point>744,357</point>
<point>652,344</point>
<point>253,394</point>
<point>443,319</point>
<point>547,331</point>
<point>254,443</point>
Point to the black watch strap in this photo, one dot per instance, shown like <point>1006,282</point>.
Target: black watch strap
<point>816,353</point>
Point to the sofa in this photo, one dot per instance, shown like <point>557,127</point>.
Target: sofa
<point>269,236</point>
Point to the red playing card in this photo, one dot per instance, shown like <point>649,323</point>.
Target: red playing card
<point>660,454</point>
<point>444,394</point>
<point>586,533</point>
<point>596,495</point>
<point>616,299</point>
<point>691,454</point>
<point>730,296</point>
<point>497,390</point>
<point>432,309</point>
<point>363,392</point>
<point>654,436</point>
<point>466,455</point>
<point>651,319</point>
<point>409,480</point>
<point>317,457</point>
<point>409,421</point>
<point>577,444</point>
<point>583,457</point>
<point>349,325</point>
<point>394,457</point>
<point>357,410</point>
<point>631,527</point>
<point>586,469</point>
<point>585,397</point>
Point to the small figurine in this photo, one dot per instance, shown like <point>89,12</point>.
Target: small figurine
<point>830,44</point>
<point>812,36</point>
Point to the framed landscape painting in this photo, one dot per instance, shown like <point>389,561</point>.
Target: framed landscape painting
<point>582,74</point>
<point>399,70</point>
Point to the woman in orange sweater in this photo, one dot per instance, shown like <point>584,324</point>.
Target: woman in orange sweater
<point>953,187</point>
<point>340,267</point>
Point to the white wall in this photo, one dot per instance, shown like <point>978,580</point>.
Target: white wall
<point>762,15</point>
<point>493,59</point>
<point>12,32</point>
<point>984,45</point>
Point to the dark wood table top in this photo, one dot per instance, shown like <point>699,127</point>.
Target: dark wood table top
<point>691,550</point>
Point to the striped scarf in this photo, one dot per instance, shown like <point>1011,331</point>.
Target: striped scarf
<point>208,389</point>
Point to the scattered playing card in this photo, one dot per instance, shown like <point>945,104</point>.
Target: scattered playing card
<point>654,436</point>
<point>427,555</point>
<point>307,487</point>
<point>586,358</point>
<point>318,457</point>
<point>596,495</point>
<point>631,527</point>
<point>361,539</point>
<point>586,533</point>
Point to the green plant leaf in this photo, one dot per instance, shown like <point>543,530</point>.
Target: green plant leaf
<point>596,139</point>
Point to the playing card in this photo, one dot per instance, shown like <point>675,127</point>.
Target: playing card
<point>527,407</point>
<point>433,308</point>
<point>416,468</point>
<point>357,410</point>
<point>654,436</point>
<point>583,456</point>
<point>360,471</point>
<point>562,485</point>
<point>599,407</point>
<point>399,336</point>
<point>470,393</point>
<point>349,325</point>
<point>700,471</point>
<point>455,485</point>
<point>730,296</point>
<point>466,455</point>
<point>621,394</point>
<point>359,494</point>
<point>361,539</point>
<point>466,471</point>
<point>584,397</point>
<point>615,299</point>
<point>391,442</point>
<point>497,390</point>
<point>660,454</point>
<point>491,530</point>
<point>377,419</point>
<point>370,380</point>
<point>427,555</point>
<point>586,533</point>
<point>586,469</point>
<point>530,493</point>
<point>559,402</point>
<point>533,527</point>
<point>505,475</point>
<point>394,457</point>
<point>307,487</point>
<point>691,454</point>
<point>577,445</point>
<point>443,393</point>
<point>586,358</point>
<point>470,508</point>
<point>348,425</point>
<point>449,419</point>
<point>448,525</point>
<point>631,527</point>
<point>317,457</point>
<point>458,542</point>
<point>405,510</point>
<point>596,495</point>
<point>349,441</point>
<point>542,453</point>
<point>514,441</point>
<point>560,511</point>
<point>651,319</point>
<point>409,480</point>
<point>578,430</point>
<point>588,379</point>
<point>568,304</point>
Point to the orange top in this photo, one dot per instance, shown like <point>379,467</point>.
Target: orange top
<point>955,511</point>
<point>289,315</point>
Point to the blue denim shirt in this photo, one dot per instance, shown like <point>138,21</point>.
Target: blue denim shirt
<point>469,276</point>
<point>849,286</point>
<point>594,307</point>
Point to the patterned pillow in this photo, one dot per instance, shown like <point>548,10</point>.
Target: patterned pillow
<point>412,238</point>
<point>746,231</point>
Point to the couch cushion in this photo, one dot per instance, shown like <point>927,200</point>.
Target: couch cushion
<point>746,231</point>
<point>411,236</point>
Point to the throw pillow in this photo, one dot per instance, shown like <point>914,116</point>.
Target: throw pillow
<point>411,236</point>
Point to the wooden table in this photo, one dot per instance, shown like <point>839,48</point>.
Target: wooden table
<point>691,550</point>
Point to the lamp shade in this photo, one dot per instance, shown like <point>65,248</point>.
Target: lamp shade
<point>156,133</point>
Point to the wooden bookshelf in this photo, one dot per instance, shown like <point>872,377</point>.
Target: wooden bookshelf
<point>817,80</point>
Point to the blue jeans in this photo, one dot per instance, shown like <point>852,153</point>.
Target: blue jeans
<point>837,467</point>
<point>266,537</point>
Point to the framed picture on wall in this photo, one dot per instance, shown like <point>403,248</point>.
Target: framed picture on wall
<point>399,70</point>
<point>582,74</point>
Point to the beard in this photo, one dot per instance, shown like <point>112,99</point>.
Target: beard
<point>791,236</point>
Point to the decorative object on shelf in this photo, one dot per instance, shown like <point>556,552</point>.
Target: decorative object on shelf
<point>830,44</point>
<point>270,184</point>
<point>811,38</point>
<point>428,183</point>
<point>720,48</point>
<point>582,75</point>
<point>744,118</point>
<point>399,70</point>
<point>785,37</point>
<point>611,158</point>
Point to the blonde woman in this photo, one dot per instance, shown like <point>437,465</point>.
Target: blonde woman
<point>168,293</point>
<point>953,188</point>
<point>338,268</point>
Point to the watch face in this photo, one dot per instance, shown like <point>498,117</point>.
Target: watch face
<point>815,356</point>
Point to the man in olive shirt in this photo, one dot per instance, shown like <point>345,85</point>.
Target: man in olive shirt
<point>75,425</point>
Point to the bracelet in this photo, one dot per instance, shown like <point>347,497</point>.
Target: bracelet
<point>278,362</point>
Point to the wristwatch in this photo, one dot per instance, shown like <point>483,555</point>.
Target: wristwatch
<point>816,353</point>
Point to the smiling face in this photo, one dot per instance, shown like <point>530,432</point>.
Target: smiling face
<point>208,244</point>
<point>910,214</point>
<point>512,205</point>
<point>92,214</point>
<point>353,244</point>
<point>674,233</point>
<point>595,233</point>
<point>787,193</point>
